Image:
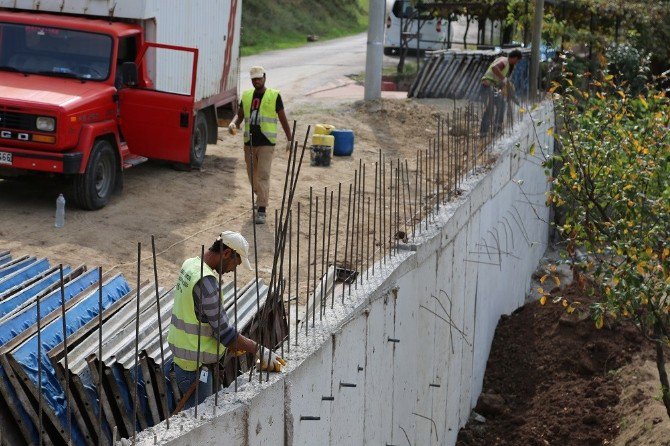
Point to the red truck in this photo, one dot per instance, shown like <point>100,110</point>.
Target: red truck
<point>84,93</point>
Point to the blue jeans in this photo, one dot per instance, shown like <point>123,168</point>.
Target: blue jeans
<point>185,379</point>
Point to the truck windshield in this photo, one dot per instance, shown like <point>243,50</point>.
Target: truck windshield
<point>55,51</point>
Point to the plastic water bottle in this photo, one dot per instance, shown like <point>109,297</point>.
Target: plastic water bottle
<point>60,211</point>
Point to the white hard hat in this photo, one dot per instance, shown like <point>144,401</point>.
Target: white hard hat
<point>236,242</point>
<point>256,72</point>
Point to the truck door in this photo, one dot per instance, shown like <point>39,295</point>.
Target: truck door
<point>157,121</point>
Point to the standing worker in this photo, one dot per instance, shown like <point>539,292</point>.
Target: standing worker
<point>196,310</point>
<point>261,107</point>
<point>494,82</point>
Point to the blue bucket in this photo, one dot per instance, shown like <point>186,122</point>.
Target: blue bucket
<point>344,142</point>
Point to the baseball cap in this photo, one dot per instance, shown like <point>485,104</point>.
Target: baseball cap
<point>256,72</point>
<point>236,242</point>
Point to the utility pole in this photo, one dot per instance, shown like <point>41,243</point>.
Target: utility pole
<point>535,50</point>
<point>375,50</point>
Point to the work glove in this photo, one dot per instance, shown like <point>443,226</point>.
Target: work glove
<point>269,360</point>
<point>232,128</point>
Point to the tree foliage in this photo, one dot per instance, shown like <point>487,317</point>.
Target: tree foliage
<point>612,181</point>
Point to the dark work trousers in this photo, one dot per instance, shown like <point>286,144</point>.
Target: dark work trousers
<point>494,109</point>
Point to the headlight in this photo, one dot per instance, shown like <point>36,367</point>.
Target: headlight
<point>45,124</point>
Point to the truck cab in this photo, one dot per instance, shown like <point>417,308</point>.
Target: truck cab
<point>88,97</point>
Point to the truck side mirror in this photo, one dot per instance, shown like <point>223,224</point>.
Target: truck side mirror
<point>129,73</point>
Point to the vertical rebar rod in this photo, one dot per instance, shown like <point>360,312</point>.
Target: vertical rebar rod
<point>374,219</point>
<point>309,260</point>
<point>391,204</point>
<point>297,273</point>
<point>427,193</point>
<point>382,207</point>
<point>337,239</point>
<point>100,350</point>
<point>367,251</point>
<point>137,337</point>
<point>397,207</point>
<point>330,230</point>
<point>237,359</point>
<point>352,268</point>
<point>419,181</point>
<point>362,226</point>
<point>68,399</point>
<point>382,210</point>
<point>346,241</point>
<point>409,195</point>
<point>316,244</point>
<point>323,253</point>
<point>258,296</point>
<point>357,226</point>
<point>290,261</point>
<point>160,325</point>
<point>404,199</point>
<point>437,166</point>
<point>417,209</point>
<point>39,371</point>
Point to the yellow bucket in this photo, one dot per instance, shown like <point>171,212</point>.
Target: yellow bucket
<point>323,129</point>
<point>323,140</point>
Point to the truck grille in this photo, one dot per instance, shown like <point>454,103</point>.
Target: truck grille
<point>17,121</point>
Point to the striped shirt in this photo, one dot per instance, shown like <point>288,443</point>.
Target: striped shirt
<point>207,290</point>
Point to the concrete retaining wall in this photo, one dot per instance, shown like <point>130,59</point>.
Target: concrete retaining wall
<point>403,359</point>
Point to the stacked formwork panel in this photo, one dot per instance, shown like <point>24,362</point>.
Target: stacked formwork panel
<point>68,338</point>
<point>457,74</point>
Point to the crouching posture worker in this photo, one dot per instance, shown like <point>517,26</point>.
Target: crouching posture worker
<point>197,303</point>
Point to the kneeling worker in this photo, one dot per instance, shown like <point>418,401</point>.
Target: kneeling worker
<point>197,300</point>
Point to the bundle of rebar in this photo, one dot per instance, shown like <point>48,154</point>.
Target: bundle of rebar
<point>457,74</point>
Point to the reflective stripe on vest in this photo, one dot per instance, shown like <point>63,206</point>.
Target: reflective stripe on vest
<point>489,76</point>
<point>267,112</point>
<point>183,330</point>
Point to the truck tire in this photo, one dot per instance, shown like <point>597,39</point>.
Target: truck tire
<point>199,140</point>
<point>93,188</point>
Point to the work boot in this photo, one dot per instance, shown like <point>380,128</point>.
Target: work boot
<point>259,219</point>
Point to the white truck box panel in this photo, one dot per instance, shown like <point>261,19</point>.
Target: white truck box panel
<point>203,24</point>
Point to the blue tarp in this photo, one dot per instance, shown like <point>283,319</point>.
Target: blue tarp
<point>27,318</point>
<point>18,298</point>
<point>9,269</point>
<point>28,272</point>
<point>52,336</point>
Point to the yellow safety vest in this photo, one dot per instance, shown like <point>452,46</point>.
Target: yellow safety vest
<point>489,76</point>
<point>267,111</point>
<point>183,331</point>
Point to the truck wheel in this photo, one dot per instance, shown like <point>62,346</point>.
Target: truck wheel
<point>199,140</point>
<point>93,188</point>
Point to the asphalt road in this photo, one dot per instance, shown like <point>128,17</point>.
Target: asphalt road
<point>315,66</point>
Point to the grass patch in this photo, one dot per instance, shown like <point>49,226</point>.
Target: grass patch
<point>287,23</point>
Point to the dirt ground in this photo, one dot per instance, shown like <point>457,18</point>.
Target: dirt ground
<point>554,379</point>
<point>186,209</point>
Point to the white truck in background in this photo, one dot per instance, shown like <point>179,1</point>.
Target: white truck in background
<point>403,18</point>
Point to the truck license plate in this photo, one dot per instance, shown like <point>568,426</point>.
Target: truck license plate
<point>6,158</point>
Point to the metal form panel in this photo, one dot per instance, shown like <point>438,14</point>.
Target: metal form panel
<point>457,74</point>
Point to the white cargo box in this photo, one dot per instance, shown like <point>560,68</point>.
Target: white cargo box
<point>202,24</point>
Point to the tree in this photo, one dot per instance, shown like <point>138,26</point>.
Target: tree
<point>612,181</point>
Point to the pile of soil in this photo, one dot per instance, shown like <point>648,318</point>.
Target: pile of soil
<point>552,378</point>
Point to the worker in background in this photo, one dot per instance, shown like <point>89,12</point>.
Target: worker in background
<point>261,106</point>
<point>494,82</point>
<point>197,300</point>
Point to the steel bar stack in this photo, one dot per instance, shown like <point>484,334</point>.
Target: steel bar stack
<point>457,74</point>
